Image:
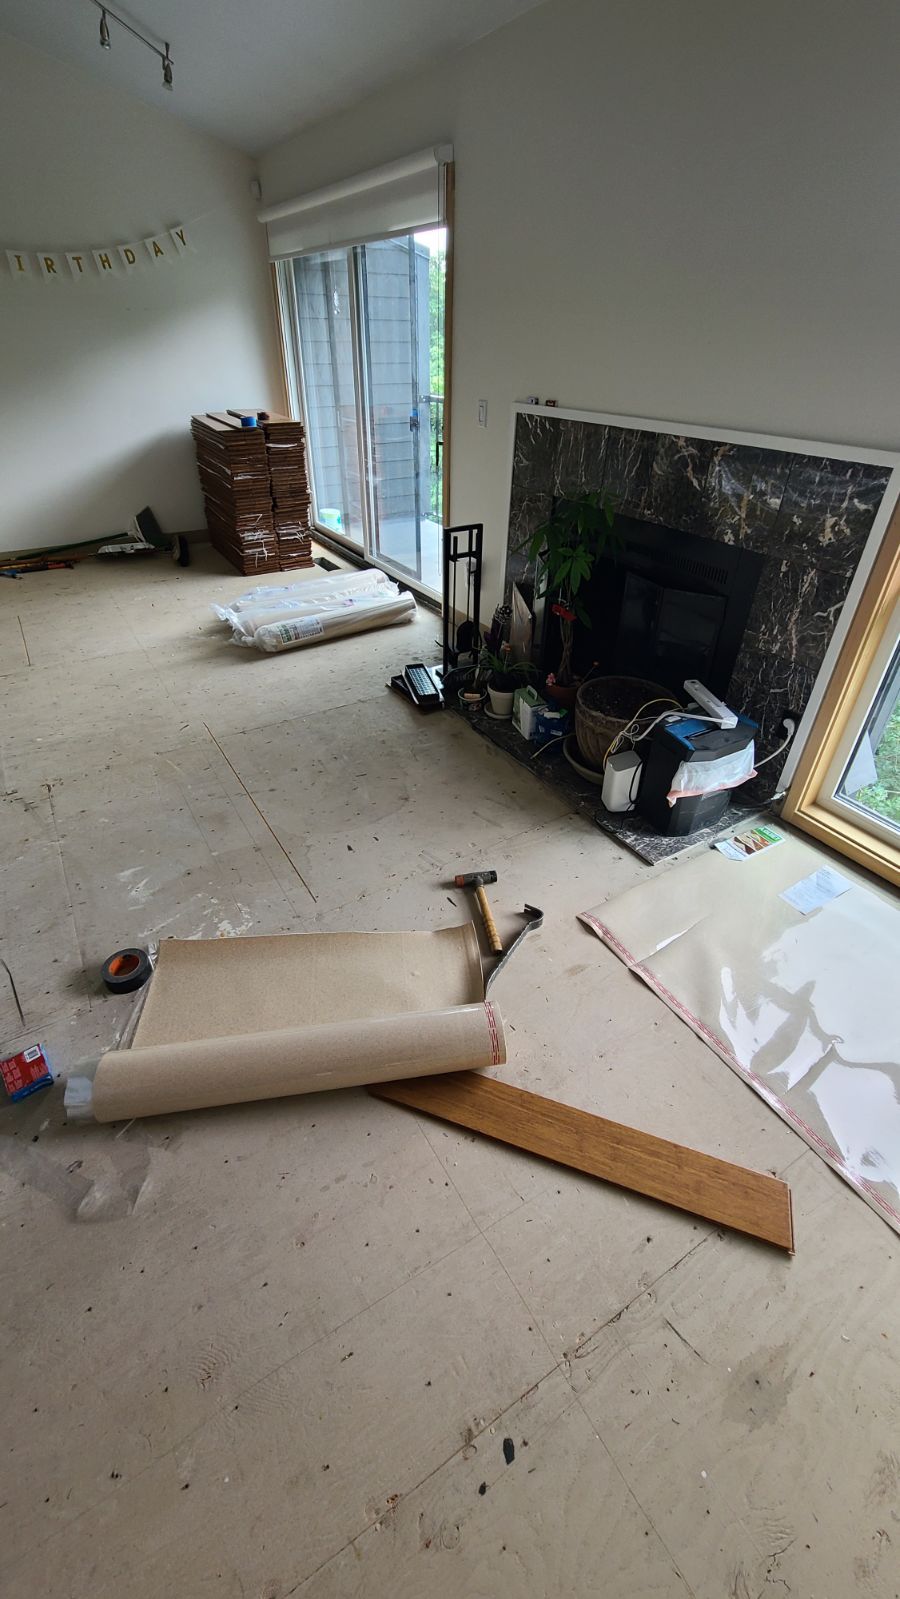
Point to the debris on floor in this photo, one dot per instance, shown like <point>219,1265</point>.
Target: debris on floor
<point>24,1073</point>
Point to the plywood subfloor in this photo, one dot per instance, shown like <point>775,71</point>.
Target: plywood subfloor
<point>279,1350</point>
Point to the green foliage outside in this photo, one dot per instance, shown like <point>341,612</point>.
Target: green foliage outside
<point>437,269</point>
<point>883,797</point>
<point>437,266</point>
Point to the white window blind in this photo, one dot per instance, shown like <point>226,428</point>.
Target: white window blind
<point>401,197</point>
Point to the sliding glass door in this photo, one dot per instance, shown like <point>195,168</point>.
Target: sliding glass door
<point>366,337</point>
<point>324,311</point>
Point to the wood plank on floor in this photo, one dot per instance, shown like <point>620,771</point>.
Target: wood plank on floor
<point>751,1202</point>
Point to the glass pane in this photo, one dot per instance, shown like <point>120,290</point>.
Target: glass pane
<point>872,778</point>
<point>402,308</point>
<point>324,313</point>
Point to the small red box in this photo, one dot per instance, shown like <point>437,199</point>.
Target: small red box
<point>26,1072</point>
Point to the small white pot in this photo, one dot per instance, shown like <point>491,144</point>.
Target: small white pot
<point>501,704</point>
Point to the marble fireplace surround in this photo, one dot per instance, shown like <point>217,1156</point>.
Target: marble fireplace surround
<point>817,514</point>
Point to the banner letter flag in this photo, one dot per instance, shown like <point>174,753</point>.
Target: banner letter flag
<point>159,248</point>
<point>110,260</point>
<point>19,263</point>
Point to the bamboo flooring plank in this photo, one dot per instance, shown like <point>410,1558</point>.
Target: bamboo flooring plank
<point>751,1202</point>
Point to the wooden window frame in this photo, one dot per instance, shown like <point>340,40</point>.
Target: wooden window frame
<point>804,806</point>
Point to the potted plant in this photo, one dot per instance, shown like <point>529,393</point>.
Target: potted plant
<point>564,549</point>
<point>472,697</point>
<point>504,676</point>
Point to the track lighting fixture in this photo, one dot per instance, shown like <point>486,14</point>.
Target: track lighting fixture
<point>168,64</point>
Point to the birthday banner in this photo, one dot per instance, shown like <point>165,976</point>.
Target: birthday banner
<point>109,261</point>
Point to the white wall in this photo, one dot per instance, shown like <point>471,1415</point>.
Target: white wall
<point>98,380</point>
<point>680,211</point>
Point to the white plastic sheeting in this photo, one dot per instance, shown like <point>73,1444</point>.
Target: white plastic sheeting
<point>274,618</point>
<point>801,1003</point>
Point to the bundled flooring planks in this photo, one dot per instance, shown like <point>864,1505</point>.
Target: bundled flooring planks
<point>751,1202</point>
<point>255,489</point>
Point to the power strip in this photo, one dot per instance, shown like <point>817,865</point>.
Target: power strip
<point>708,702</point>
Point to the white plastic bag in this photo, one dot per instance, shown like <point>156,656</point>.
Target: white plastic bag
<point>710,777</point>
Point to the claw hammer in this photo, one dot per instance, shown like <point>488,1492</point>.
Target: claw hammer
<point>477,881</point>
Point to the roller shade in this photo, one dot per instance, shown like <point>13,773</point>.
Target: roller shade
<point>400,197</point>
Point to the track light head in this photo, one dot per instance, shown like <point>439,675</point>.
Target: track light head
<point>107,14</point>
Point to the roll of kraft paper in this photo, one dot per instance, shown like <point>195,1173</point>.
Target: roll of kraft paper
<point>160,1079</point>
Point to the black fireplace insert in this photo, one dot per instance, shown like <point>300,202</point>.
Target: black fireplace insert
<point>668,606</point>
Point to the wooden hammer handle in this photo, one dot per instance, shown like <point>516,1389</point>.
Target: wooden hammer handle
<point>487,916</point>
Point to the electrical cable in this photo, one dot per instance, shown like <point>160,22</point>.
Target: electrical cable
<point>791,725</point>
<point>557,739</point>
<point>628,731</point>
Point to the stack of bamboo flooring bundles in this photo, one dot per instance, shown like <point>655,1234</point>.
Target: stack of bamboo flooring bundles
<point>256,489</point>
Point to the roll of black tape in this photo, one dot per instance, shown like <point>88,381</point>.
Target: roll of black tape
<point>126,970</point>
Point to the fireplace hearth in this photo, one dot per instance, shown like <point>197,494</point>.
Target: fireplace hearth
<point>736,564</point>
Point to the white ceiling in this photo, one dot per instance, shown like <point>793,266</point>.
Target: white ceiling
<point>252,71</point>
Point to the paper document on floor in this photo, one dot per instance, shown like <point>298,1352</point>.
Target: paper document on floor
<point>801,1003</point>
<point>817,889</point>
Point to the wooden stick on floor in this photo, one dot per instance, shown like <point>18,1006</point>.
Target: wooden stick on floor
<point>749,1201</point>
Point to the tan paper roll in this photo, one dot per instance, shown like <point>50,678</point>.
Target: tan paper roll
<point>158,1079</point>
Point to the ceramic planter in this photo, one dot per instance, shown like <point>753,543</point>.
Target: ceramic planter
<point>501,701</point>
<point>471,700</point>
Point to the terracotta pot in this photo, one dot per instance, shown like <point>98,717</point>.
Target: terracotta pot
<point>596,727</point>
<point>560,695</point>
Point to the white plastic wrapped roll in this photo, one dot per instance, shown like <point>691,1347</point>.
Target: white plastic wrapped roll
<point>353,616</point>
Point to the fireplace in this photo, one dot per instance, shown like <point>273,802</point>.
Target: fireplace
<point>737,559</point>
<point>668,606</point>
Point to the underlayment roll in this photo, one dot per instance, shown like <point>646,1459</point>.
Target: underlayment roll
<point>278,618</point>
<point>365,611</point>
<point>158,1079</point>
<point>264,605</point>
<point>305,594</point>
